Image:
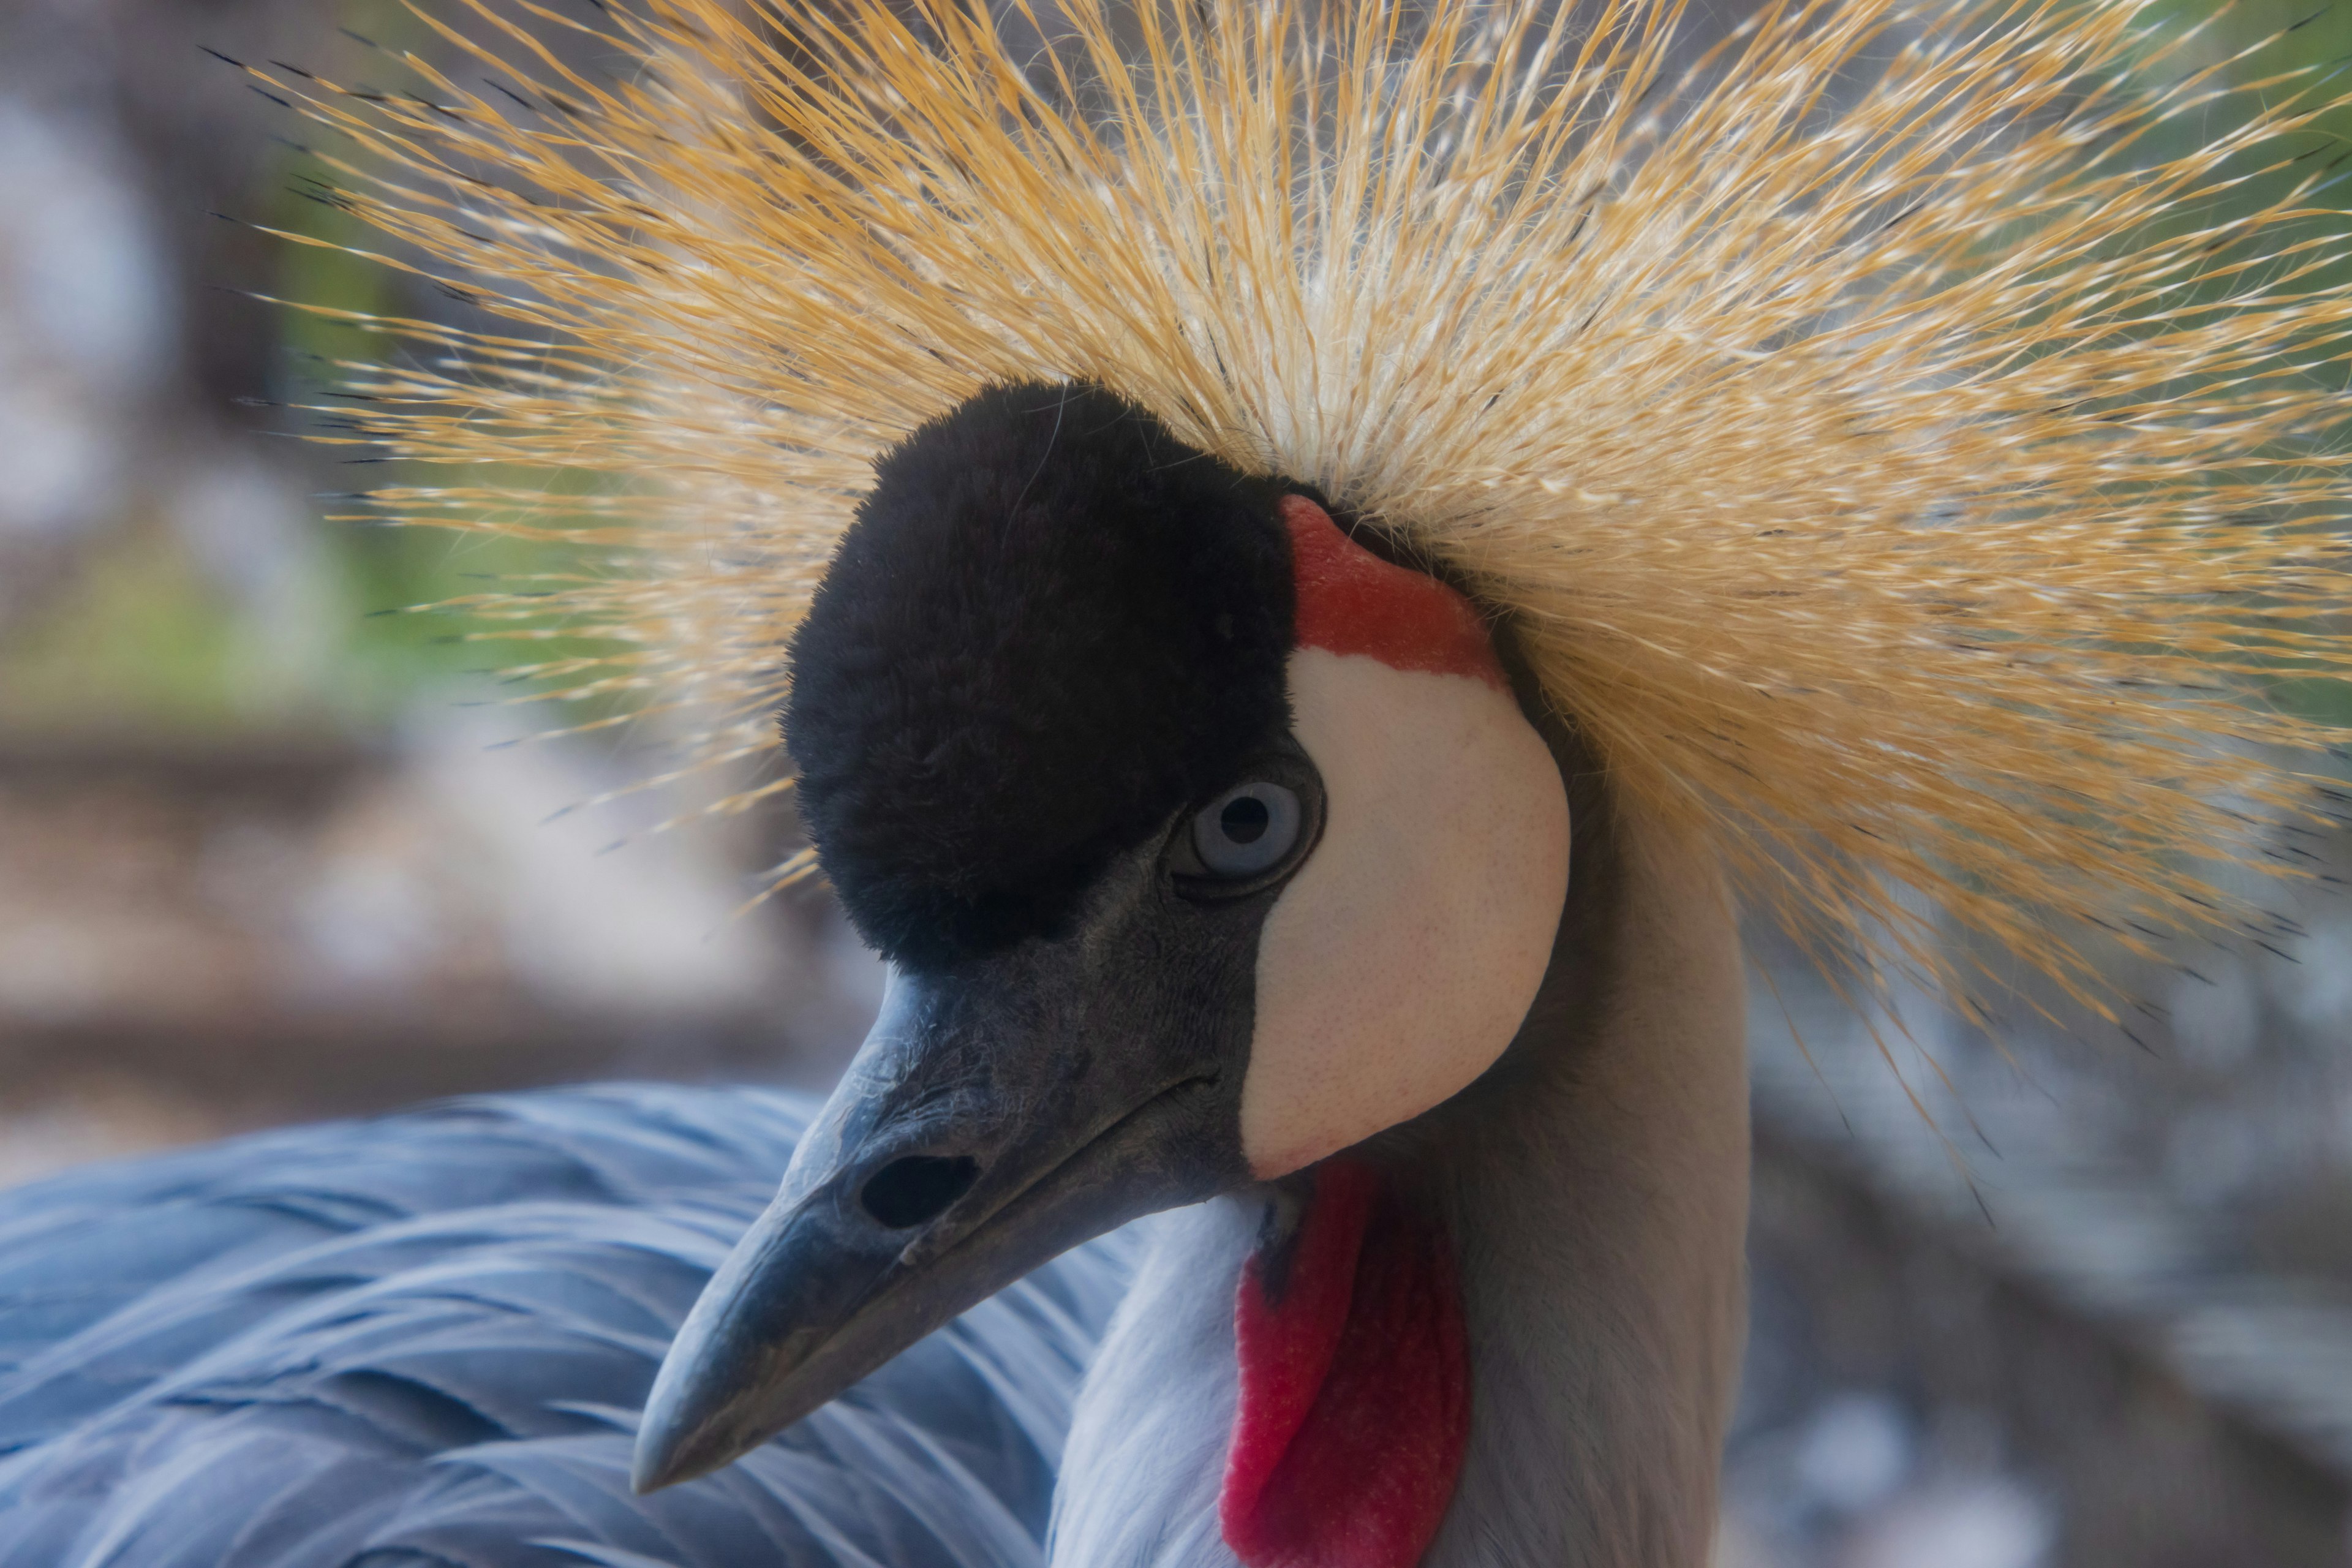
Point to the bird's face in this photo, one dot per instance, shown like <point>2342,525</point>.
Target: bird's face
<point>1204,843</point>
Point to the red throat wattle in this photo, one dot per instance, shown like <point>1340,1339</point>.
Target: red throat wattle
<point>1355,1385</point>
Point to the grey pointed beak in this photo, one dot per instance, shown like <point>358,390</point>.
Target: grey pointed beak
<point>996,1116</point>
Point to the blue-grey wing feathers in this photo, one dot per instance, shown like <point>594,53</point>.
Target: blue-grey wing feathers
<point>422,1342</point>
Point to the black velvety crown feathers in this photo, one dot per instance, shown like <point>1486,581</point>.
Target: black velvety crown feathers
<point>1051,626</point>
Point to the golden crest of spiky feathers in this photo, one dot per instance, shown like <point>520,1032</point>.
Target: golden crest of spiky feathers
<point>1907,441</point>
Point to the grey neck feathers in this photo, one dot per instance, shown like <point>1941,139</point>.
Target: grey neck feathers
<point>1595,1183</point>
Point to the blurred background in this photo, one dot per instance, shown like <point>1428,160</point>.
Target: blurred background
<point>268,852</point>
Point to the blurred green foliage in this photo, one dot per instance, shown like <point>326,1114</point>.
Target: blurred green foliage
<point>144,635</point>
<point>398,645</point>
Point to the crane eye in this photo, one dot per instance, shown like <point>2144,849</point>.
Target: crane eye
<point>1246,830</point>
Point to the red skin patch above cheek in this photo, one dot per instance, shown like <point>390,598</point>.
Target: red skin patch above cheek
<point>1352,601</point>
<point>1355,1386</point>
<point>1354,1406</point>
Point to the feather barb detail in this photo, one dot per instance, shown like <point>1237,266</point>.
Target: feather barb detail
<point>1906,436</point>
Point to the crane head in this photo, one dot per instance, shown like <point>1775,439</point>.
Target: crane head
<point>1204,841</point>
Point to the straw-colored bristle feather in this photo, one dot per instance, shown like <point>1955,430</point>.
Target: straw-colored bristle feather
<point>1908,446</point>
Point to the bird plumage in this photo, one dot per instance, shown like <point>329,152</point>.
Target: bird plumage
<point>1545,474</point>
<point>421,1342</point>
<point>1595,1185</point>
<point>971,764</point>
<point>1905,434</point>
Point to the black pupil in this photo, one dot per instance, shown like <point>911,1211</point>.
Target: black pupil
<point>1245,819</point>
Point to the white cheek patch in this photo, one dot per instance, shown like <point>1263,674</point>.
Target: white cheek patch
<point>1401,959</point>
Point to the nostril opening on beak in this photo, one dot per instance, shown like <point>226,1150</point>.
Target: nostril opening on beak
<point>905,1193</point>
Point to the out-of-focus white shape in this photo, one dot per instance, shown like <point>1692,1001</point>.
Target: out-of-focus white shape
<point>84,324</point>
<point>1989,1522</point>
<point>1855,1452</point>
<point>247,530</point>
<point>54,475</point>
<point>82,273</point>
<point>367,922</point>
<point>650,927</point>
<point>2318,991</point>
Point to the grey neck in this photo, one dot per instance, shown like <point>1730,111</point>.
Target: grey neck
<point>1595,1183</point>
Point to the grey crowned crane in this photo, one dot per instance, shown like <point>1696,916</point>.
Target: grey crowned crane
<point>1311,559</point>
<point>1234,873</point>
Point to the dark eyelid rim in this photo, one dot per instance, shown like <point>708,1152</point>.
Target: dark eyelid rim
<point>1287,765</point>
